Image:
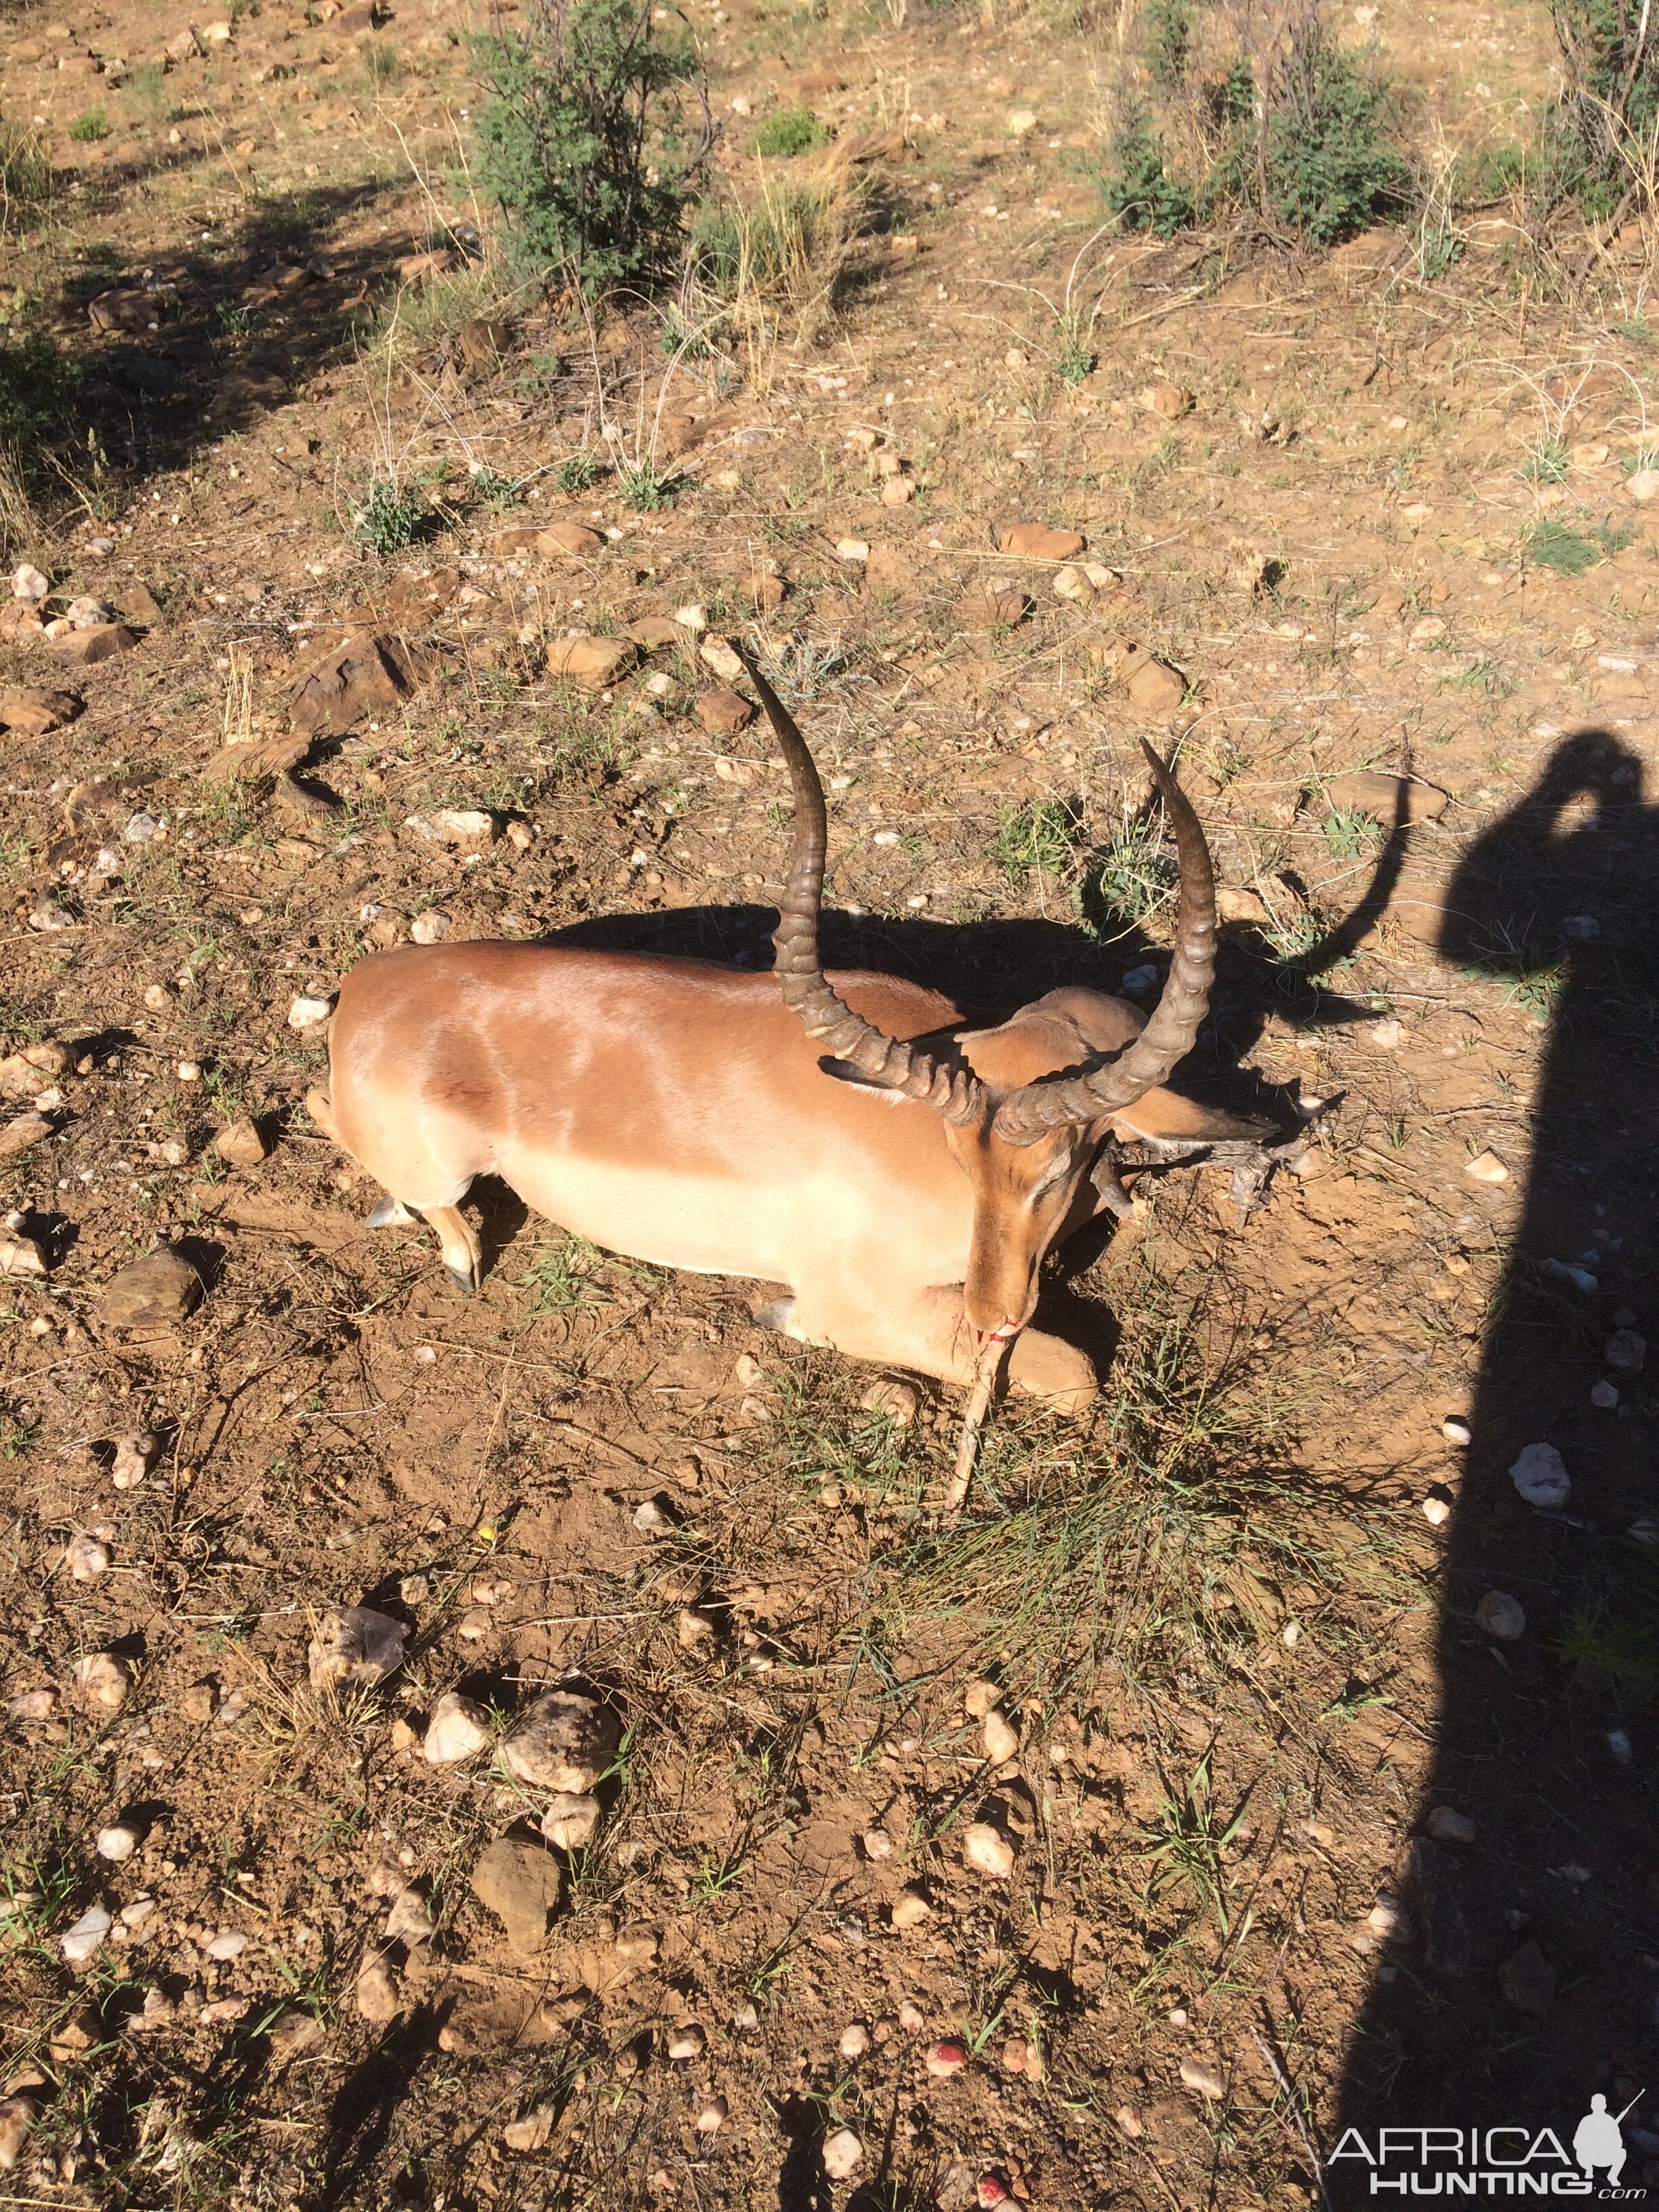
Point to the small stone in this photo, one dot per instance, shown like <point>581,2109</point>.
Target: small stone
<point>89,644</point>
<point>998,1737</point>
<point>378,2000</point>
<point>654,1517</point>
<point>1156,687</point>
<point>877,1844</point>
<point>1455,1431</point>
<point>79,1942</point>
<point>987,1851</point>
<point>428,929</point>
<point>990,2190</point>
<point>241,1144</point>
<point>1022,121</point>
<point>980,1697</point>
<point>723,712</point>
<point>911,2017</point>
<point>16,2118</point>
<point>910,1909</point>
<point>32,1704</point>
<point>1129,2123</point>
<point>1541,1476</point>
<point>900,1402</point>
<point>1168,401</point>
<point>843,2151</point>
<point>533,2132</point>
<point>854,550</point>
<point>33,713</point>
<point>854,2040</point>
<point>1385,1918</point>
<point>1643,485</point>
<point>22,1255</point>
<point>568,541</point>
<point>711,2118</point>
<point>1527,1981</point>
<point>1625,1351</point>
<point>118,1842</point>
<point>687,2042</point>
<point>571,1822</point>
<point>151,1293</point>
<point>310,1012</point>
<point>134,1456</point>
<point>521,1884</point>
<point>455,1730</point>
<point>410,1920</point>
<point>1485,1167</point>
<point>1447,1825</point>
<point>103,1681</point>
<point>294,2032</point>
<point>1383,1036</point>
<point>1206,2076</point>
<point>1036,541</point>
<point>28,584</point>
<point>946,2058</point>
<point>717,654</point>
<point>997,604</point>
<point>354,1647</point>
<point>566,1740</point>
<point>229,1943</point>
<point>1503,1617</point>
<point>189,1071</point>
<point>1391,801</point>
<point>593,663</point>
<point>1604,1395</point>
<point>18,1135</point>
<point>1072,584</point>
<point>693,1628</point>
<point>1437,1508</point>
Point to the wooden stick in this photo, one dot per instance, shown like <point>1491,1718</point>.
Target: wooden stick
<point>986,1370</point>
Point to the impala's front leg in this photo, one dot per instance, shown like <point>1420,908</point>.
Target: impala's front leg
<point>463,1250</point>
<point>925,1328</point>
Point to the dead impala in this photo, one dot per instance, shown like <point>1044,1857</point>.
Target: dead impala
<point>847,1135</point>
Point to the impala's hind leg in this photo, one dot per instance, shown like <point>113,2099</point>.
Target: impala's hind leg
<point>463,1251</point>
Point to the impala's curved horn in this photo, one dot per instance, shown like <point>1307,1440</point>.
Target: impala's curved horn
<point>881,1060</point>
<point>1027,1113</point>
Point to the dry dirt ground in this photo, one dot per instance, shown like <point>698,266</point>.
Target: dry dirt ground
<point>1243,1669</point>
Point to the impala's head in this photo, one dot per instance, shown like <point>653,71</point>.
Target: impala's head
<point>1026,1106</point>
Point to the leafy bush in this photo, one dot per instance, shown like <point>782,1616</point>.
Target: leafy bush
<point>387,516</point>
<point>1136,187</point>
<point>1331,169</point>
<point>38,390</point>
<point>788,242</point>
<point>583,139</point>
<point>86,129</point>
<point>791,130</point>
<point>1598,139</point>
<point>25,173</point>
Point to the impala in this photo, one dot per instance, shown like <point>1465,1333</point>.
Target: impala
<point>848,1137</point>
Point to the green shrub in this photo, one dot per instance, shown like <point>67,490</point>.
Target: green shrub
<point>582,138</point>
<point>38,390</point>
<point>387,516</point>
<point>1597,138</point>
<point>791,130</point>
<point>1170,25</point>
<point>789,242</point>
<point>1331,169</point>
<point>25,173</point>
<point>1136,186</point>
<point>86,129</point>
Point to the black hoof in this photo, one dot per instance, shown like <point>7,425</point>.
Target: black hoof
<point>464,1279</point>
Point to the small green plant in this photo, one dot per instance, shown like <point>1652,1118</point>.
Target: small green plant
<point>1331,167</point>
<point>1183,1848</point>
<point>579,473</point>
<point>86,129</point>
<point>383,67</point>
<point>791,131</point>
<point>145,85</point>
<point>1350,836</point>
<point>789,242</point>
<point>232,318</point>
<point>583,135</point>
<point>1135,186</point>
<point>388,515</point>
<point>1040,835</point>
<point>25,173</point>
<point>1074,356</point>
<point>495,491</point>
<point>562,1278</point>
<point>1545,462</point>
<point>1131,879</point>
<point>646,488</point>
<point>1551,543</point>
<point>1169,26</point>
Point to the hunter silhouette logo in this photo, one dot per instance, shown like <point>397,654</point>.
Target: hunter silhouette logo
<point>1491,2161</point>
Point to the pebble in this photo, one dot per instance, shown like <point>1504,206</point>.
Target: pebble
<point>900,1402</point>
<point>520,1883</point>
<point>189,1071</point>
<point>1485,1167</point>
<point>1501,1616</point>
<point>979,1697</point>
<point>429,928</point>
<point>308,1011</point>
<point>877,1844</point>
<point>852,549</point>
<point>1619,1744</point>
<point>843,2151</point>
<point>16,2118</point>
<point>1017,2057</point>
<point>118,1842</point>
<point>162,1288</point>
<point>1604,1395</point>
<point>946,2058</point>
<point>1385,1918</point>
<point>1206,2076</point>
<point>241,1144</point>
<point>1129,2123</point>
<point>687,2042</point>
<point>1437,1507</point>
<point>28,584</point>
<point>998,1737</point>
<point>457,1728</point>
<point>987,1851</point>
<point>533,2132</point>
<point>911,2017</point>
<point>1455,1431</point>
<point>693,1628</point>
<point>134,1456</point>
<point>565,1741</point>
<point>79,1942</point>
<point>712,2118</point>
<point>1527,1981</point>
<point>571,1822</point>
<point>854,2039</point>
<point>378,2000</point>
<point>1541,1476</point>
<point>103,1680</point>
<point>1447,1825</point>
<point>654,1517</point>
<point>1624,1351</point>
<point>229,1943</point>
<point>410,1920</point>
<point>22,1255</point>
<point>86,1559</point>
<point>354,1647</point>
<point>1036,541</point>
<point>910,1908</point>
<point>32,1704</point>
<point>991,2190</point>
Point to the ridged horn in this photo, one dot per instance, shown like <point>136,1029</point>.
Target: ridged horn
<point>1028,1112</point>
<point>881,1060</point>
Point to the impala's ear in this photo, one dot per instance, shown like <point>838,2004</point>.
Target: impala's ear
<point>844,1072</point>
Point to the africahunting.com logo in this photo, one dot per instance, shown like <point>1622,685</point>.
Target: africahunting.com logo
<point>1505,2161</point>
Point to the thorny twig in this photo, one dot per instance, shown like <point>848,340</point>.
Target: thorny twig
<point>1275,2066</point>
